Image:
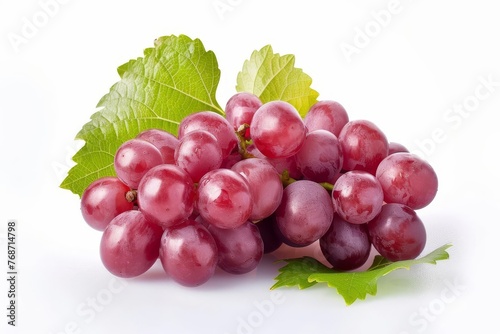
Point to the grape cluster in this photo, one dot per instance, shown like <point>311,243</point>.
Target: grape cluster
<point>227,190</point>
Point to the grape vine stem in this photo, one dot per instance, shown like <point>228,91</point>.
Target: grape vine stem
<point>287,180</point>
<point>285,176</point>
<point>243,142</point>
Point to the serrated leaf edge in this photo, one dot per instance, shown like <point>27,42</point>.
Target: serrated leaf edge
<point>430,258</point>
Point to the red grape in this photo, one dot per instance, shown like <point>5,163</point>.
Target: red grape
<point>407,179</point>
<point>103,200</point>
<point>364,145</point>
<point>130,244</point>
<point>397,233</point>
<point>277,129</point>
<point>166,195</point>
<point>133,159</point>
<point>188,253</point>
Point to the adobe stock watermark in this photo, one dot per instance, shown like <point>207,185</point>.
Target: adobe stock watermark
<point>365,34</point>
<point>263,310</point>
<point>420,320</point>
<point>223,7</point>
<point>31,25</point>
<point>89,309</point>
<point>454,116</point>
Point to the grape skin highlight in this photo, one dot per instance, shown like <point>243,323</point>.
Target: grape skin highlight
<point>364,146</point>
<point>188,253</point>
<point>224,198</point>
<point>358,196</point>
<point>213,123</point>
<point>198,152</point>
<point>135,158</point>
<point>277,129</point>
<point>103,200</point>
<point>229,190</point>
<point>397,232</point>
<point>165,142</point>
<point>346,246</point>
<point>326,115</point>
<point>166,195</point>
<point>265,186</point>
<point>407,179</point>
<point>320,159</point>
<point>130,244</point>
<point>240,249</point>
<point>305,213</point>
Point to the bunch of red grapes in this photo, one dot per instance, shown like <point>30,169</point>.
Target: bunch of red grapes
<point>227,190</point>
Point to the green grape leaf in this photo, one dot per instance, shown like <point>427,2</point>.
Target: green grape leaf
<point>273,77</point>
<point>297,272</point>
<point>173,79</point>
<point>306,272</point>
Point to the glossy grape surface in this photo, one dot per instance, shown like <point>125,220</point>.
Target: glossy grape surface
<point>163,141</point>
<point>224,198</point>
<point>277,129</point>
<point>305,213</point>
<point>358,197</point>
<point>407,179</point>
<point>133,159</point>
<point>166,195</point>
<point>103,200</point>
<point>213,123</point>
<point>265,186</point>
<point>198,153</point>
<point>326,115</point>
<point>130,244</point>
<point>397,232</point>
<point>188,253</point>
<point>346,246</point>
<point>364,146</point>
<point>240,249</point>
<point>240,109</point>
<point>320,159</point>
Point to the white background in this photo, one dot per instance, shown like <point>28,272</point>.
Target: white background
<point>409,72</point>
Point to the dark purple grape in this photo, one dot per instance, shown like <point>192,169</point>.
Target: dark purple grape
<point>346,246</point>
<point>270,237</point>
<point>240,249</point>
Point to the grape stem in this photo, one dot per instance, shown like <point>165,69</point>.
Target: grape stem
<point>285,176</point>
<point>243,142</point>
<point>131,196</point>
<point>287,180</point>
